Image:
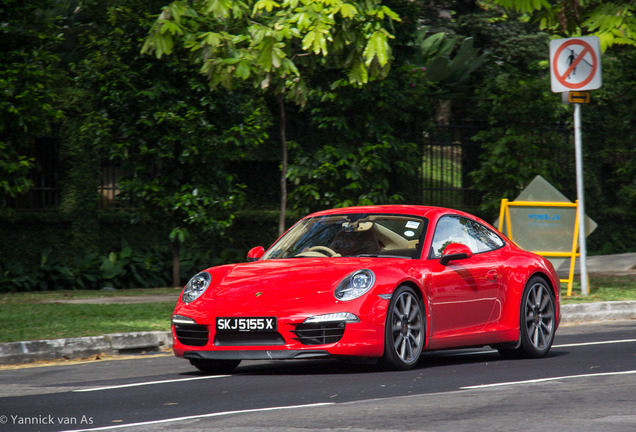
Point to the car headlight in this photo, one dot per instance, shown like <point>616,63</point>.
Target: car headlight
<point>180,319</point>
<point>346,317</point>
<point>355,285</point>
<point>195,287</point>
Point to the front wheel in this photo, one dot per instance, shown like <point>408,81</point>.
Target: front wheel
<point>405,330</point>
<point>537,320</point>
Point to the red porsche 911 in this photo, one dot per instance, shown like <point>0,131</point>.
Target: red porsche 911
<point>385,282</point>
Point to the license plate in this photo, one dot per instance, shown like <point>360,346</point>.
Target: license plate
<point>245,324</point>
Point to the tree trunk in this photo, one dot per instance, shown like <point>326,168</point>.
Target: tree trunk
<point>283,176</point>
<point>176,278</point>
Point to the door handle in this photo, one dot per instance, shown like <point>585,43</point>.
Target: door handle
<point>492,275</point>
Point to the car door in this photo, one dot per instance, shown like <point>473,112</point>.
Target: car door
<point>464,292</point>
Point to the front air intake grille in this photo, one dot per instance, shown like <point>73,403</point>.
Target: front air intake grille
<point>320,334</point>
<point>192,334</point>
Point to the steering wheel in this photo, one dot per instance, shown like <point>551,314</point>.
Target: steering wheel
<point>323,250</point>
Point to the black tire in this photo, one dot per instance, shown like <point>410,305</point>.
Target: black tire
<point>213,367</point>
<point>537,320</point>
<point>404,331</point>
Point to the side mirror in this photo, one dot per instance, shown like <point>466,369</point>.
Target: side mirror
<point>455,251</point>
<point>255,253</point>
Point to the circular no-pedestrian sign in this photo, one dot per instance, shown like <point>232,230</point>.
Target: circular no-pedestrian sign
<point>575,64</point>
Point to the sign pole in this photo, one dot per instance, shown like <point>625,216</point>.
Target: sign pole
<point>581,197</point>
<point>575,67</point>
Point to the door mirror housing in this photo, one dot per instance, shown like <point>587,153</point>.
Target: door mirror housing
<point>255,253</point>
<point>455,251</point>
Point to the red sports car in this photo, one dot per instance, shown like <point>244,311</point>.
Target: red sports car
<point>385,282</point>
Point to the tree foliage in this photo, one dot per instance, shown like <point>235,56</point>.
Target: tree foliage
<point>73,70</point>
<point>516,87</point>
<point>277,43</point>
<point>365,146</point>
<point>361,149</point>
<point>173,139</point>
<point>277,46</point>
<point>523,120</point>
<point>613,22</point>
<point>29,77</point>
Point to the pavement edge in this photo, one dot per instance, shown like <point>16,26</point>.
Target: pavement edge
<point>80,347</point>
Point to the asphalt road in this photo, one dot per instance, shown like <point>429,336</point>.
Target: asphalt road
<point>587,383</point>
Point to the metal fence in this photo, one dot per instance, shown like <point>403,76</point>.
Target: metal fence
<point>108,189</point>
<point>45,191</point>
<point>45,177</point>
<point>448,156</point>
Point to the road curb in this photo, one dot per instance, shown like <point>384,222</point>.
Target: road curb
<point>122,343</point>
<point>600,311</point>
<point>72,348</point>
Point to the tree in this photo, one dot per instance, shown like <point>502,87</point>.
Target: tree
<point>522,139</point>
<point>29,75</point>
<point>613,22</point>
<point>521,116</point>
<point>172,137</point>
<point>277,46</point>
<point>367,143</point>
<point>364,146</point>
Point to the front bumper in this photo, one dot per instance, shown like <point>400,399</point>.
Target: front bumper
<point>256,355</point>
<point>291,341</point>
<point>353,328</point>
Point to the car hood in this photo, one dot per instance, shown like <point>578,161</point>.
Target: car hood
<point>299,276</point>
<point>285,283</point>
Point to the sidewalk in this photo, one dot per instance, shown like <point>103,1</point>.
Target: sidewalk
<point>617,264</point>
<point>125,343</point>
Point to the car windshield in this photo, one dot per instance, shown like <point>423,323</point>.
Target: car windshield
<point>346,235</point>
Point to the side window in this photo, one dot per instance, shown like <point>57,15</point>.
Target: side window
<point>451,229</point>
<point>457,229</point>
<point>485,239</point>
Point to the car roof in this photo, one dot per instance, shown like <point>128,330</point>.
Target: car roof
<point>414,210</point>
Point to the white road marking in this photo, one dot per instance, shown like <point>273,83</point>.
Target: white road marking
<point>594,343</point>
<point>200,416</point>
<point>225,413</point>
<point>148,383</point>
<point>225,376</point>
<point>553,346</point>
<point>539,380</point>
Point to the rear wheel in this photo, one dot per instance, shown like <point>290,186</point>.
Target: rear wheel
<point>215,366</point>
<point>537,320</point>
<point>405,330</point>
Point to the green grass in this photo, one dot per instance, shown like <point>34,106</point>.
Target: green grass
<point>601,288</point>
<point>52,321</point>
<point>27,316</point>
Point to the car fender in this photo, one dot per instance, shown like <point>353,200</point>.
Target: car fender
<point>520,272</point>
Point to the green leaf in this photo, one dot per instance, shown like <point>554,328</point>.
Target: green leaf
<point>390,13</point>
<point>358,73</point>
<point>169,26</point>
<point>348,10</point>
<point>268,5</point>
<point>212,39</point>
<point>243,69</point>
<point>430,45</point>
<point>220,8</point>
<point>308,40</point>
<point>377,48</point>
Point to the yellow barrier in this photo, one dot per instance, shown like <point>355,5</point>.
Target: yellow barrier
<point>504,217</point>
